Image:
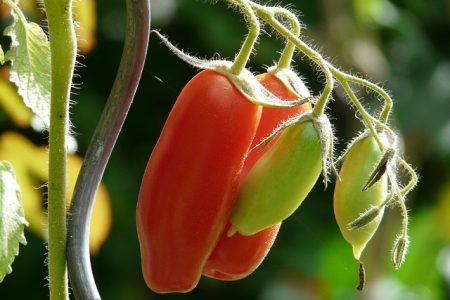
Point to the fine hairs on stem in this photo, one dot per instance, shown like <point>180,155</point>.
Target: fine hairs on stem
<point>63,47</point>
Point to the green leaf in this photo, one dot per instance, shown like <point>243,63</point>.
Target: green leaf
<point>12,219</point>
<point>29,54</point>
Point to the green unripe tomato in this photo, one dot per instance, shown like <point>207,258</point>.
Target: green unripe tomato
<point>280,180</point>
<point>350,201</point>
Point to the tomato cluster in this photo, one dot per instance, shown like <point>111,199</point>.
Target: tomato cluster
<point>192,181</point>
<point>239,154</point>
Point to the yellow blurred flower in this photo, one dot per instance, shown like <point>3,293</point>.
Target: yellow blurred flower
<point>30,163</point>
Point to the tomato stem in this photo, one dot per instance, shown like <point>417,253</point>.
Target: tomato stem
<point>289,50</point>
<point>364,114</point>
<point>412,181</point>
<point>268,16</point>
<point>63,47</point>
<point>384,115</point>
<point>101,145</point>
<point>401,202</point>
<point>249,43</point>
<point>368,119</point>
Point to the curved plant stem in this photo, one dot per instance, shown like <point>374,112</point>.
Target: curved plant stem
<point>268,16</point>
<point>253,32</point>
<point>368,119</point>
<point>63,53</point>
<point>289,49</point>
<point>413,181</point>
<point>341,76</point>
<point>364,114</point>
<point>100,148</point>
<point>400,199</point>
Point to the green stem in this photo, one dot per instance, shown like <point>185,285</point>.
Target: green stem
<point>267,15</point>
<point>403,208</point>
<point>368,118</point>
<point>412,181</point>
<point>384,115</point>
<point>63,54</point>
<point>364,114</point>
<point>253,33</point>
<point>286,56</point>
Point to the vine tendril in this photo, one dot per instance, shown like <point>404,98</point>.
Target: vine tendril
<point>101,145</point>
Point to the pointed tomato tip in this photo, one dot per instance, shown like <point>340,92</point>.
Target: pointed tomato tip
<point>232,231</point>
<point>358,250</point>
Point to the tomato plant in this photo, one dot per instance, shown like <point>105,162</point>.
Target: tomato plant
<point>238,154</point>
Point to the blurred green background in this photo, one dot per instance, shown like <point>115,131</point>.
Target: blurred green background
<point>404,45</point>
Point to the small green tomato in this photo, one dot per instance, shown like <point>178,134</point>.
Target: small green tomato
<point>350,198</point>
<point>280,180</point>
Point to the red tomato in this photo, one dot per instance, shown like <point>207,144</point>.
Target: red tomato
<point>238,256</point>
<point>191,180</point>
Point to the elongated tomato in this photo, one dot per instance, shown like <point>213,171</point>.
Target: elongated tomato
<point>238,256</point>
<point>191,180</point>
<point>350,198</point>
<point>280,180</point>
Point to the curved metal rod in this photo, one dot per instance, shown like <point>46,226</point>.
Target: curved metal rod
<point>100,148</point>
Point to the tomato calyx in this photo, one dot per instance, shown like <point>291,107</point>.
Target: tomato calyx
<point>292,82</point>
<point>365,218</point>
<point>381,168</point>
<point>401,245</point>
<point>245,81</point>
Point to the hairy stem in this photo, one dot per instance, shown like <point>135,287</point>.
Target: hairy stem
<point>384,115</point>
<point>286,56</point>
<point>368,119</point>
<point>268,16</point>
<point>363,113</point>
<point>404,210</point>
<point>413,181</point>
<point>253,33</point>
<point>101,145</point>
<point>63,53</point>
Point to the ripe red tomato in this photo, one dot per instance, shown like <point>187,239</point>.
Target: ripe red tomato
<point>191,180</point>
<point>238,256</point>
